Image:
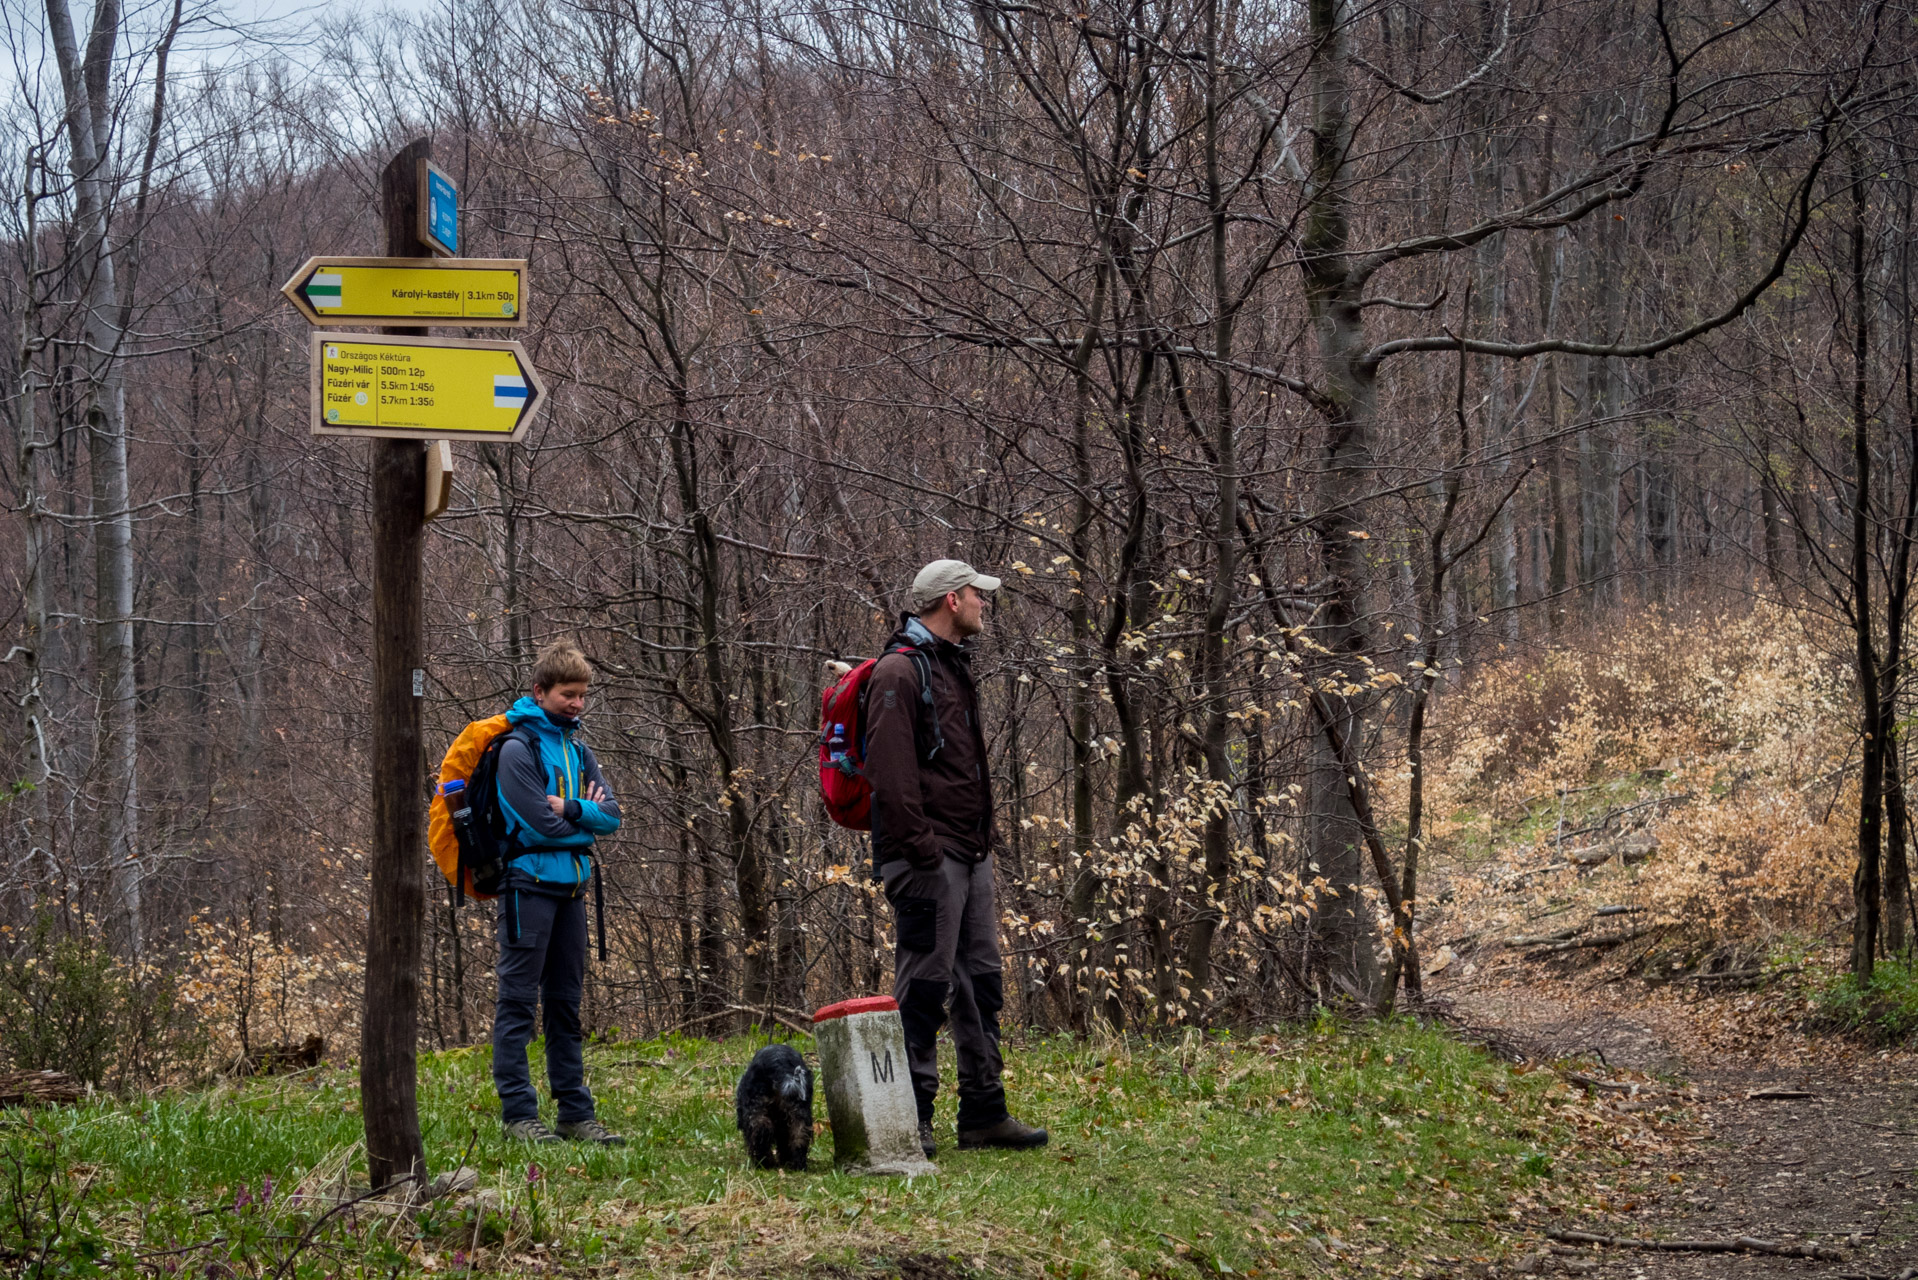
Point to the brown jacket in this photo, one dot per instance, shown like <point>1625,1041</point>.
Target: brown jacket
<point>932,793</point>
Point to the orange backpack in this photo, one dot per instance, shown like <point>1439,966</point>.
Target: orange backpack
<point>462,759</point>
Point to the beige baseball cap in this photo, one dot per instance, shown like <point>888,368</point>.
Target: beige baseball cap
<point>941,576</point>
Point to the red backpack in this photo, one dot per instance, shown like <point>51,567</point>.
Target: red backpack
<point>842,738</point>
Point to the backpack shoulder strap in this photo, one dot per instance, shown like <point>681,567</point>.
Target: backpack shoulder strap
<point>932,737</point>
<point>490,763</point>
<point>517,733</point>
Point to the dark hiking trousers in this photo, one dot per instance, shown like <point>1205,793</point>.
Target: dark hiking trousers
<point>546,965</point>
<point>948,931</point>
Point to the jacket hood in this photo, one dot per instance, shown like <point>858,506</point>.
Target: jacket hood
<point>919,636</point>
<point>526,711</point>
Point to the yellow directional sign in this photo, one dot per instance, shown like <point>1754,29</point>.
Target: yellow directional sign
<point>422,388</point>
<point>362,291</point>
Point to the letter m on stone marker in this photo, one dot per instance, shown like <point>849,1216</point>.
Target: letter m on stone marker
<point>881,1071</point>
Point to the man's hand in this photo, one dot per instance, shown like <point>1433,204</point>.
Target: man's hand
<point>594,792</point>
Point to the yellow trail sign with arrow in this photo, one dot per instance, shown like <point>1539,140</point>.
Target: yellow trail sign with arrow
<point>360,291</point>
<point>445,388</point>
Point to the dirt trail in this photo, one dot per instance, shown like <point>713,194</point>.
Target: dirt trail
<point>1839,1168</point>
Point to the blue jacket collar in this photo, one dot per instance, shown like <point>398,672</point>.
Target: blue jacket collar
<point>528,712</point>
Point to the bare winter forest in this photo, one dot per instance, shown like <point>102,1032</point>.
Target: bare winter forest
<point>1338,386</point>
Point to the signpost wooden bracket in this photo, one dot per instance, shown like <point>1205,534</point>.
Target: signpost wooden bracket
<point>439,477</point>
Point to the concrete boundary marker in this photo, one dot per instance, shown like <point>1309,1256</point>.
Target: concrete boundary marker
<point>862,1064</point>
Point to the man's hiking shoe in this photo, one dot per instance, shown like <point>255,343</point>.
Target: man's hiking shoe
<point>926,1144</point>
<point>1007,1133</point>
<point>591,1131</point>
<point>530,1131</point>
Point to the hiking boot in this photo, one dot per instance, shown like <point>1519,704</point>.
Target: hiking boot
<point>1007,1133</point>
<point>926,1144</point>
<point>533,1130</point>
<point>591,1131</point>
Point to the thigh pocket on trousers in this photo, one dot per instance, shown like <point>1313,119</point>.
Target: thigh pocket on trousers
<point>918,920</point>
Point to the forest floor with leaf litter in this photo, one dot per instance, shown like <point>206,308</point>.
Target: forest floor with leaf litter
<point>1798,1138</point>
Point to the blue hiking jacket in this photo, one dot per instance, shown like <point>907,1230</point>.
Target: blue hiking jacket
<point>558,845</point>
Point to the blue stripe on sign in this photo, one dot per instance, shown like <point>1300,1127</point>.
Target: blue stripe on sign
<point>508,392</point>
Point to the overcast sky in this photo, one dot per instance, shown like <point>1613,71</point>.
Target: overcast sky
<point>294,10</point>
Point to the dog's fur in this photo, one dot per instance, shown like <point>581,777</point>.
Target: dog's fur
<point>774,1104</point>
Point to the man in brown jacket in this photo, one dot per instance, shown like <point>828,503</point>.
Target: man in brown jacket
<point>932,837</point>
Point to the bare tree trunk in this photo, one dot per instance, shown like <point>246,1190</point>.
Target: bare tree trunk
<point>199,776</point>
<point>1768,512</point>
<point>1897,905</point>
<point>89,139</point>
<point>1897,896</point>
<point>1094,960</point>
<point>1214,658</point>
<point>502,460</point>
<point>35,654</point>
<point>786,985</point>
<point>1597,471</point>
<point>691,948</point>
<point>716,711</point>
<point>1872,721</point>
<point>1488,292</point>
<point>1333,291</point>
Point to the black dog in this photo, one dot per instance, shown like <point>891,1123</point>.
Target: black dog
<point>774,1103</point>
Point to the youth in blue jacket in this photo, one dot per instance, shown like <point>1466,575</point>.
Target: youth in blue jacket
<point>558,861</point>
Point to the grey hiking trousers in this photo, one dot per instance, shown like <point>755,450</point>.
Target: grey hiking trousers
<point>948,936</point>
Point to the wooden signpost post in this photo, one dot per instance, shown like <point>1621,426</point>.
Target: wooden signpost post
<point>389,1022</point>
<point>410,392</point>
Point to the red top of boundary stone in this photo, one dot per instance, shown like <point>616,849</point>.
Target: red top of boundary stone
<point>865,1004</point>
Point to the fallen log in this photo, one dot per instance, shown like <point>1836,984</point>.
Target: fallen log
<point>1625,848</point>
<point>1738,1244</point>
<point>1608,1086</point>
<point>273,1059</point>
<point>26,1088</point>
<point>1600,940</point>
<point>1513,880</point>
<point>1535,939</point>
<point>1737,977</point>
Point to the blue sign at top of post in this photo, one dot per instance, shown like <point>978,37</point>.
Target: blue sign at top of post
<point>442,221</point>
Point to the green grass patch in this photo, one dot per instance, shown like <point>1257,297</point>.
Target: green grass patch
<point>1884,1009</point>
<point>1389,1143</point>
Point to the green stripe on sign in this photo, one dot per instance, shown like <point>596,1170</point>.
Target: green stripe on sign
<point>323,290</point>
